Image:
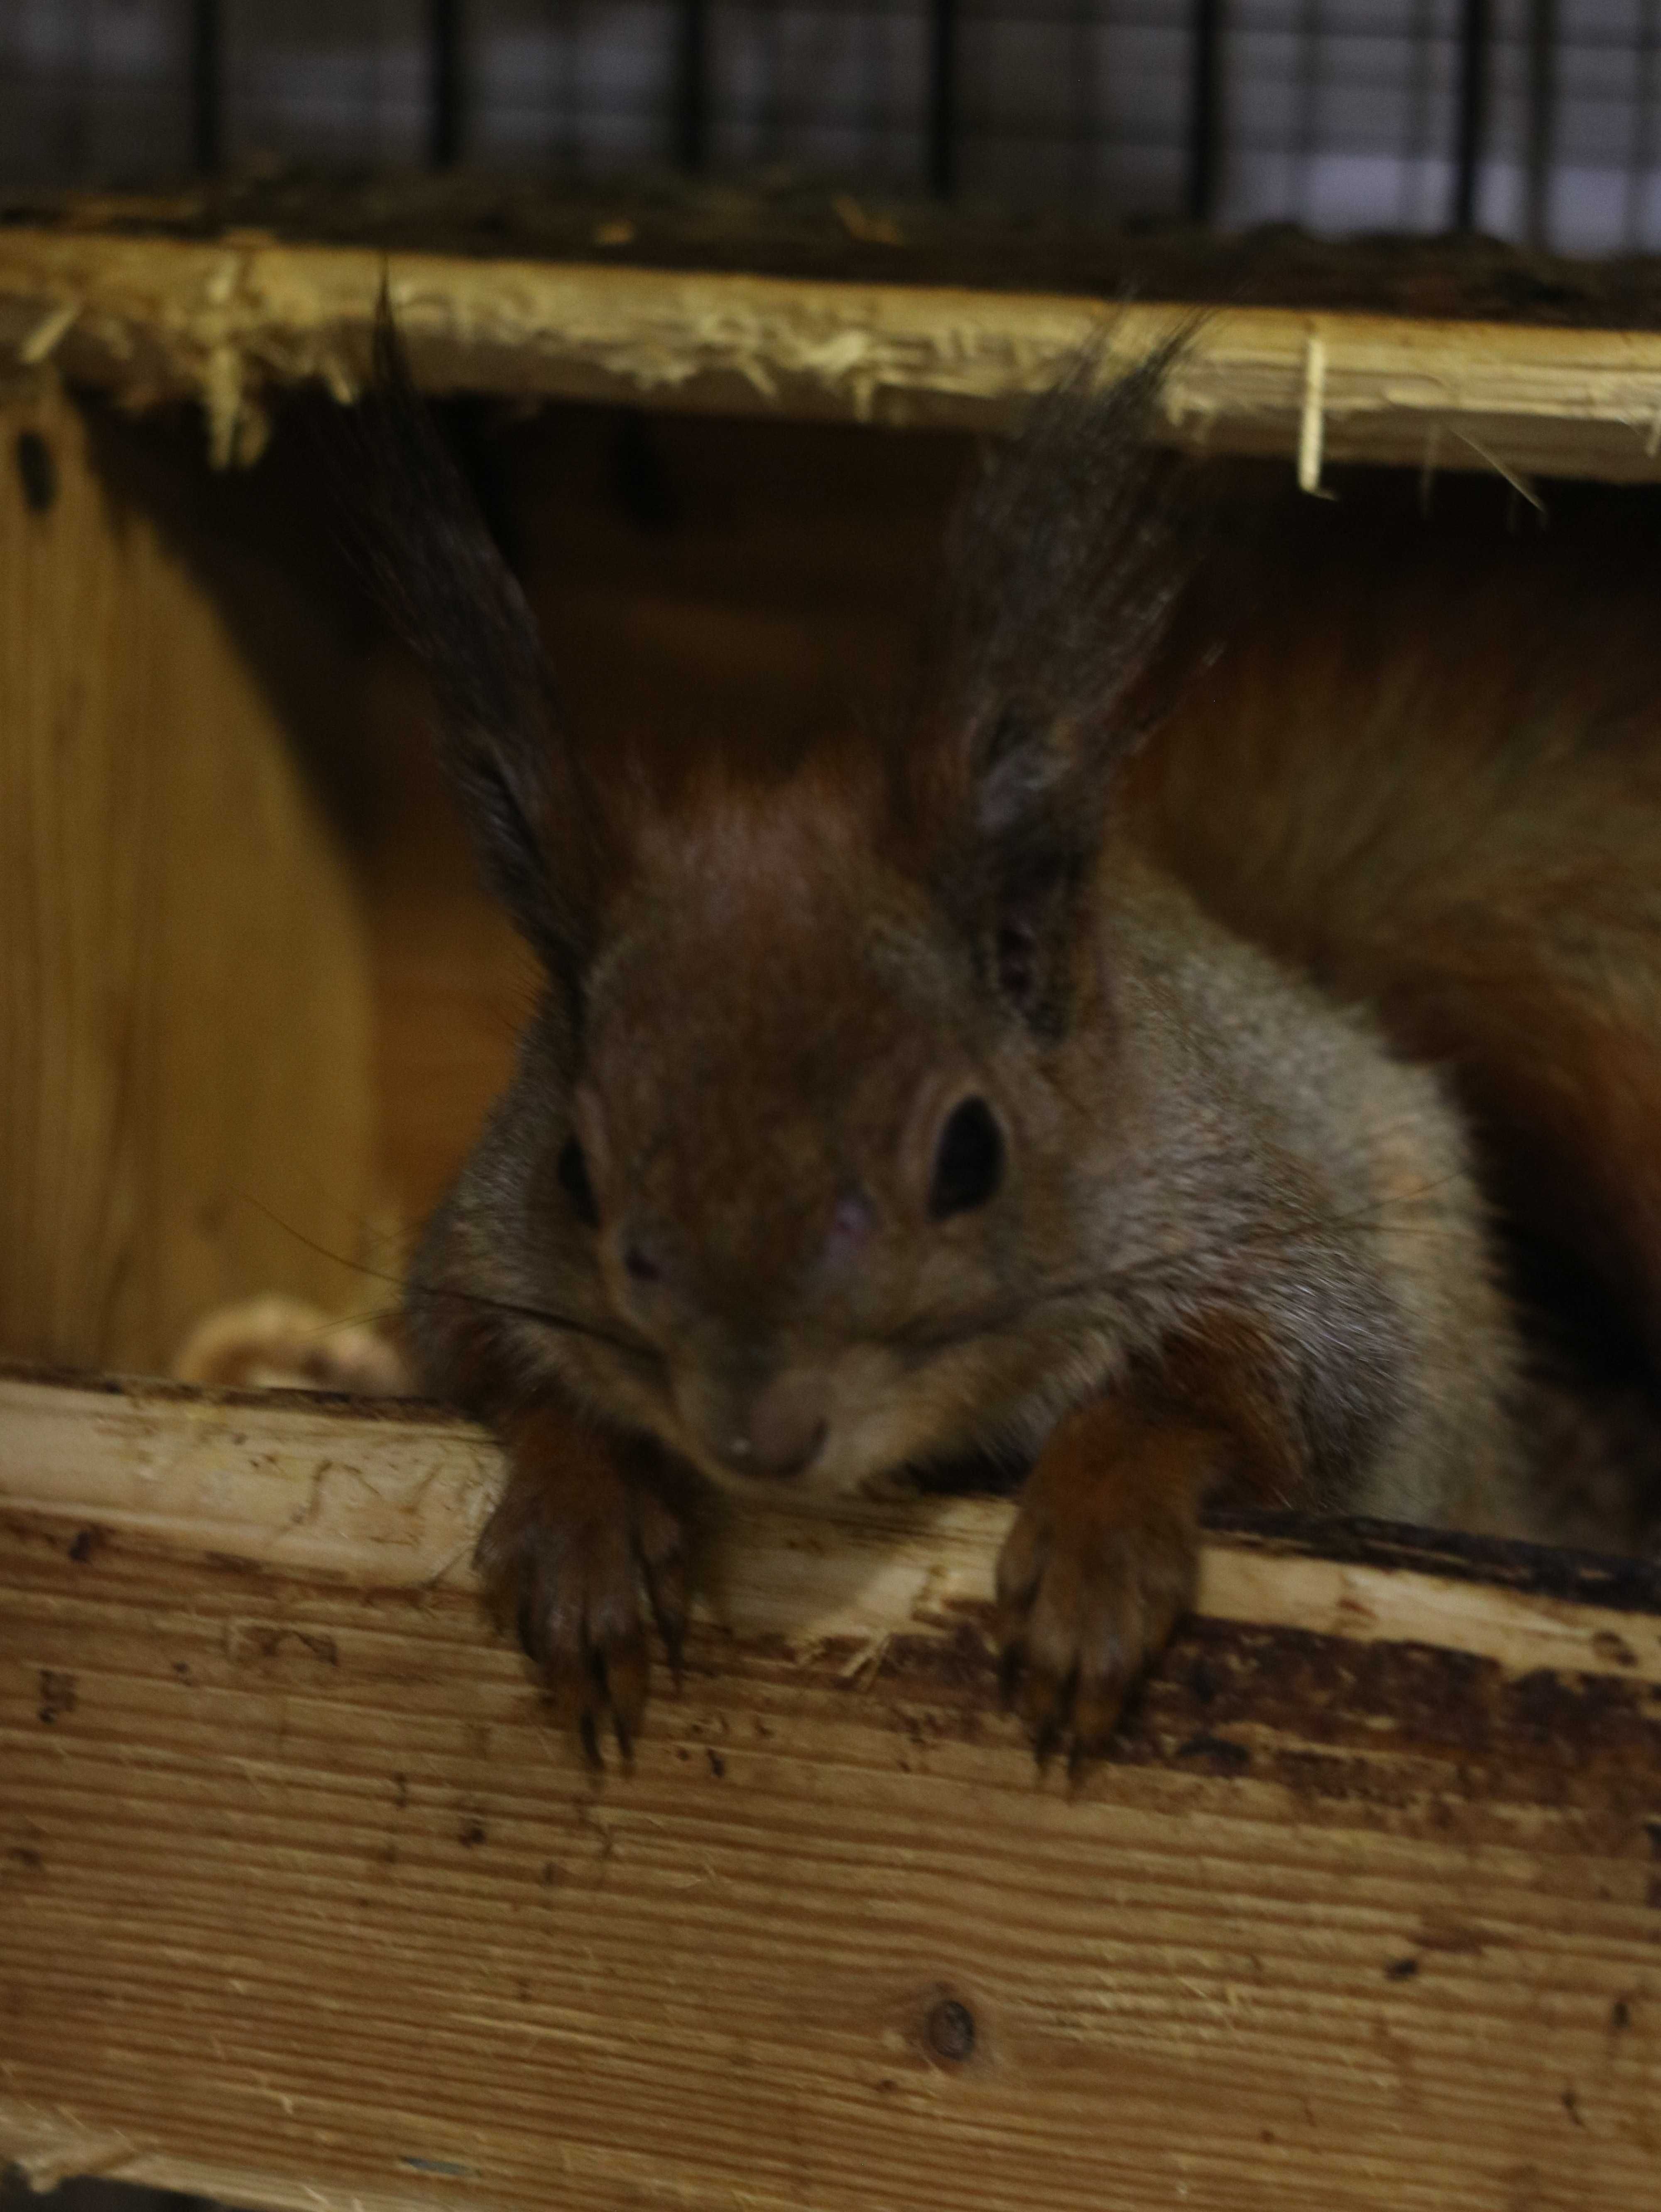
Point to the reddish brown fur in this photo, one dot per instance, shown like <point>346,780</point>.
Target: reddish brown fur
<point>1428,769</point>
<point>582,1522</point>
<point>888,1106</point>
<point>1102,1561</point>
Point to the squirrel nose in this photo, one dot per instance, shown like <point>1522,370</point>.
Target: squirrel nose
<point>784,1431</point>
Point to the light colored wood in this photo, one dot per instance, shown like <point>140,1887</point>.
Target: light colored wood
<point>184,1007</point>
<point>305,1904</point>
<point>395,1500</point>
<point>229,322</point>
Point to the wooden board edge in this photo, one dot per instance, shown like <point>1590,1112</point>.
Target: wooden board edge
<point>393,1497</point>
<point>231,324</point>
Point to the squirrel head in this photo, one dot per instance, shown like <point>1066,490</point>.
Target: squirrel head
<point>791,1162</point>
<point>799,1149</point>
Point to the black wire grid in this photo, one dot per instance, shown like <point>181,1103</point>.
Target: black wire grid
<point>1533,118</point>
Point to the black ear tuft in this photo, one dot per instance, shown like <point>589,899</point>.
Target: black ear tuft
<point>447,592</point>
<point>1065,564</point>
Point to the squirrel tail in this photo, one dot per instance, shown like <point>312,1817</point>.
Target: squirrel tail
<point>1434,782</point>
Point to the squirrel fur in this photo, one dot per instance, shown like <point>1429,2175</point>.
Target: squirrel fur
<point>1108,1068</point>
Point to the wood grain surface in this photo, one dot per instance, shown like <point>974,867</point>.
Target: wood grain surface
<point>306,1904</point>
<point>234,321</point>
<point>185,1014</point>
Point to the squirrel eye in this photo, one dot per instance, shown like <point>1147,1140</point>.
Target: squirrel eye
<point>968,1161</point>
<point>573,1170</point>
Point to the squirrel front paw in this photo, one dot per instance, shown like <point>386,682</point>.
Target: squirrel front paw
<point>1097,1569</point>
<point>576,1553</point>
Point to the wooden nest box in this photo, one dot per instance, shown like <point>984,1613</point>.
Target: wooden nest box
<point>302,1902</point>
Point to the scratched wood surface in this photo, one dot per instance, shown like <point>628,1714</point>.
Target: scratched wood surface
<point>234,321</point>
<point>306,1904</point>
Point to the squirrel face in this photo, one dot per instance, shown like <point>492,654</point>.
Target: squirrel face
<point>798,1155</point>
<point>797,1176</point>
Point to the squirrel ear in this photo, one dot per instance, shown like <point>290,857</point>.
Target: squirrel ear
<point>1064,563</point>
<point>445,587</point>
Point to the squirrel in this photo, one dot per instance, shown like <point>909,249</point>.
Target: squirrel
<point>1102,1068</point>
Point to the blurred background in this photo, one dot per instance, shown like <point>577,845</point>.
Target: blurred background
<point>723,571</point>
<point>1535,120</point>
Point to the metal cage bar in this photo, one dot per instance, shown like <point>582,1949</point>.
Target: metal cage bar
<point>1204,152</point>
<point>691,84</point>
<point>1475,38</point>
<point>207,87</point>
<point>446,85</point>
<point>943,119</point>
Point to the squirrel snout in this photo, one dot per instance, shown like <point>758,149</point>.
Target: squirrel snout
<point>783,1430</point>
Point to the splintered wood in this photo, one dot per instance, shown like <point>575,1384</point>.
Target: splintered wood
<point>306,1904</point>
<point>232,322</point>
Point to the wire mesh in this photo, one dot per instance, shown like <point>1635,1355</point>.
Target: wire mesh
<point>1533,119</point>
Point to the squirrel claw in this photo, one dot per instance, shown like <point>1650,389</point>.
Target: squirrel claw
<point>660,1549</point>
<point>1061,1714</point>
<point>622,1674</point>
<point>600,1703</point>
<point>1095,1711</point>
<point>1009,1674</point>
<point>1092,1580</point>
<point>588,1737</point>
<point>1046,1740</point>
<point>576,1576</point>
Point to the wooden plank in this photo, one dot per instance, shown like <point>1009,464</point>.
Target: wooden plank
<point>305,1904</point>
<point>184,1001</point>
<point>233,321</point>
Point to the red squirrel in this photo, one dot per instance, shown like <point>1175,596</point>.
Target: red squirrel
<point>1057,1075</point>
